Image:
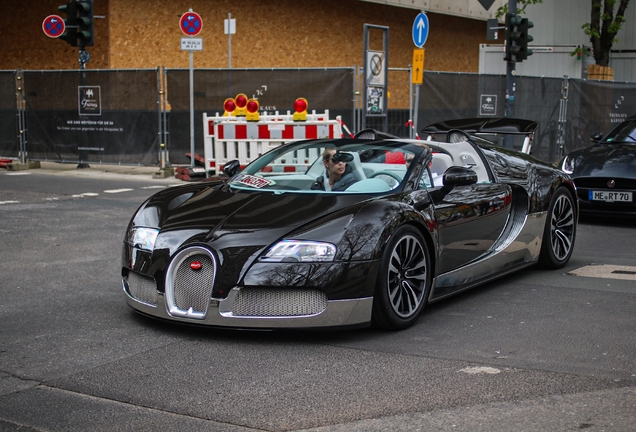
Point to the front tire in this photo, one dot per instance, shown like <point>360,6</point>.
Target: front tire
<point>560,230</point>
<point>404,280</point>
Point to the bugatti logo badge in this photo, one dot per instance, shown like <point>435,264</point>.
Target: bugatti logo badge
<point>196,265</point>
<point>611,183</point>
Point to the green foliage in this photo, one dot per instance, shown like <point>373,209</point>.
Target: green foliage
<point>602,28</point>
<point>521,7</point>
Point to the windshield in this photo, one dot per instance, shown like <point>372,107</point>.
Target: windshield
<point>623,133</point>
<point>331,166</point>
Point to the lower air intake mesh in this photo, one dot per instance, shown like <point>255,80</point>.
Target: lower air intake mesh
<point>141,288</point>
<point>258,302</point>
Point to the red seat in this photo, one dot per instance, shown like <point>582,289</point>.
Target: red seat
<point>394,158</point>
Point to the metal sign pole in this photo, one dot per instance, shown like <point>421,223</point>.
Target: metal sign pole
<point>229,41</point>
<point>191,24</point>
<point>191,109</point>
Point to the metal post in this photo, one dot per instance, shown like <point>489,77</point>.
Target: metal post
<point>411,99</point>
<point>229,41</point>
<point>510,72</point>
<point>563,108</point>
<point>164,110</point>
<point>510,81</point>
<point>191,109</point>
<point>21,116</point>
<point>84,57</point>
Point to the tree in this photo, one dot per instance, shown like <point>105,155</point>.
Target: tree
<point>603,27</point>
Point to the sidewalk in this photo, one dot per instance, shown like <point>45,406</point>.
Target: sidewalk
<point>178,173</point>
<point>106,168</point>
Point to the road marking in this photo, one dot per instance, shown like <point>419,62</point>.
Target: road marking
<point>154,187</point>
<point>86,194</point>
<point>606,271</point>
<point>18,173</point>
<point>114,191</point>
<point>9,202</point>
<point>477,370</point>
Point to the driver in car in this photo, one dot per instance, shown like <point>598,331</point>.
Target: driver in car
<point>338,175</point>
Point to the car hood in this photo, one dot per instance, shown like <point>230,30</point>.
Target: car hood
<point>214,214</point>
<point>606,160</point>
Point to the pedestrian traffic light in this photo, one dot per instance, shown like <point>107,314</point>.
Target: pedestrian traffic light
<point>70,34</point>
<point>85,23</point>
<point>517,38</point>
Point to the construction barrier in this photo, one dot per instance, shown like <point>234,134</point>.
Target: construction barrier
<point>228,137</point>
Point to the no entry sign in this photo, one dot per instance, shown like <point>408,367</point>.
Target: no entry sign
<point>190,23</point>
<point>53,26</point>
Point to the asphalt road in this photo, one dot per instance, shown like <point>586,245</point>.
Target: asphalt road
<point>536,351</point>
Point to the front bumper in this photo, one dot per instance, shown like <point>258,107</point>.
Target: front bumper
<point>271,295</point>
<point>224,313</point>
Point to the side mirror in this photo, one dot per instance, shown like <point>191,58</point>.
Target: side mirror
<point>459,176</point>
<point>597,137</point>
<point>231,168</point>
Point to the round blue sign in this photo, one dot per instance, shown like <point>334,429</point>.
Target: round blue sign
<point>53,26</point>
<point>190,23</point>
<point>420,30</point>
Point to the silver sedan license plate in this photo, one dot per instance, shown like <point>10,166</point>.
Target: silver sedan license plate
<point>610,196</point>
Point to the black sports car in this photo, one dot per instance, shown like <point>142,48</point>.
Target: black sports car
<point>605,173</point>
<point>287,243</point>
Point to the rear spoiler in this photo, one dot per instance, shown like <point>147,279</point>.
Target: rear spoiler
<point>492,125</point>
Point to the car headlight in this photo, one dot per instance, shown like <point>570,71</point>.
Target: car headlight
<point>568,165</point>
<point>301,251</point>
<point>143,238</point>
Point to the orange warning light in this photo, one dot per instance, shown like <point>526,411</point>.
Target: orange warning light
<point>300,109</point>
<point>229,106</point>
<point>241,103</point>
<point>252,110</point>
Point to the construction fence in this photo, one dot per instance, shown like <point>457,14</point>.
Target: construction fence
<point>124,116</point>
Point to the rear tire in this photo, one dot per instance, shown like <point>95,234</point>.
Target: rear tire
<point>560,230</point>
<point>404,280</point>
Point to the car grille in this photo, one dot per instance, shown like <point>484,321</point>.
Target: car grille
<point>601,183</point>
<point>188,289</point>
<point>278,302</point>
<point>142,288</point>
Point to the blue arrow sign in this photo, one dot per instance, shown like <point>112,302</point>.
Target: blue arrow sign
<point>420,30</point>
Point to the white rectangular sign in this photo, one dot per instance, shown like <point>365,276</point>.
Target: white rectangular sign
<point>229,26</point>
<point>191,44</point>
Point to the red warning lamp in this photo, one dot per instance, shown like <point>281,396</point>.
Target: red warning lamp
<point>300,109</point>
<point>252,110</point>
<point>241,103</point>
<point>229,106</point>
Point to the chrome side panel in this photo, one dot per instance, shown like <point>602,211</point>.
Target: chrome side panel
<point>521,252</point>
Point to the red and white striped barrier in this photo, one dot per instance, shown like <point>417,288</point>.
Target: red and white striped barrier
<point>227,137</point>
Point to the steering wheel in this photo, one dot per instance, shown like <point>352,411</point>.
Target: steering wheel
<point>392,176</point>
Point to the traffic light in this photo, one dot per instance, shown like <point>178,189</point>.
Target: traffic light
<point>517,38</point>
<point>525,37</point>
<point>85,23</point>
<point>70,34</point>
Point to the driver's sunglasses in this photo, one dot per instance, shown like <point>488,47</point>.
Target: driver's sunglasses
<point>340,157</point>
